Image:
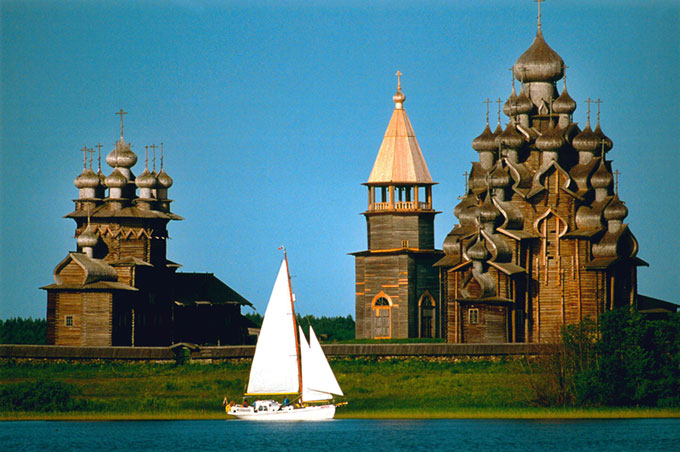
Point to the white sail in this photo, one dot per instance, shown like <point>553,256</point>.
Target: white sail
<point>275,363</point>
<point>318,380</point>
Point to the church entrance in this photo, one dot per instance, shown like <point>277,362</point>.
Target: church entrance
<point>382,318</point>
<point>426,316</point>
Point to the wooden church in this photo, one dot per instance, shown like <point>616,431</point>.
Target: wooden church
<point>541,240</point>
<point>397,287</point>
<point>118,288</point>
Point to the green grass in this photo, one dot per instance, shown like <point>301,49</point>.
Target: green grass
<point>374,388</point>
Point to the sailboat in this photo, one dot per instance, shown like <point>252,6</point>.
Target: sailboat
<point>286,365</point>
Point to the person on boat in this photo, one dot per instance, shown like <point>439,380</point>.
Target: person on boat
<point>245,403</point>
<point>286,402</point>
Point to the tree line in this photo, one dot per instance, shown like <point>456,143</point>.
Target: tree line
<point>328,329</point>
<point>23,331</point>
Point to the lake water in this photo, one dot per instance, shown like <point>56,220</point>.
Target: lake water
<point>344,435</point>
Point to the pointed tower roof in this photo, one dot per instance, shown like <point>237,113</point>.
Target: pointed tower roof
<point>400,159</point>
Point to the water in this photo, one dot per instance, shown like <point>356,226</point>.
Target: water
<point>656,435</point>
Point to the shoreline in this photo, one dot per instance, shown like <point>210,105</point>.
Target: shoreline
<point>466,413</point>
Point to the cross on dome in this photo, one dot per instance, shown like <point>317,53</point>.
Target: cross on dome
<point>121,113</point>
<point>398,74</point>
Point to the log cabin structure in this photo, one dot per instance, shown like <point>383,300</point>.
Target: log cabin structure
<point>118,287</point>
<point>396,284</point>
<point>541,241</point>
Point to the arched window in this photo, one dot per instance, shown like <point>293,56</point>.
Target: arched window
<point>382,316</point>
<point>427,315</point>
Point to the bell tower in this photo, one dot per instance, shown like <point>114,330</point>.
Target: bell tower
<point>397,294</point>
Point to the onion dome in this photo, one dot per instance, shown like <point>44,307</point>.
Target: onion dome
<point>87,238</point>
<point>602,177</point>
<point>478,251</point>
<point>586,141</point>
<point>164,181</point>
<point>466,210</point>
<point>602,139</point>
<point>498,130</point>
<point>539,63</point>
<point>510,137</point>
<point>499,178</point>
<point>116,179</point>
<point>146,180</point>
<point>487,212</point>
<point>87,179</point>
<point>121,156</point>
<point>510,106</point>
<point>551,140</point>
<point>399,97</point>
<point>524,104</point>
<point>564,104</point>
<point>485,142</point>
<point>616,210</point>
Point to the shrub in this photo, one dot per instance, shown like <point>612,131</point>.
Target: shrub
<point>41,395</point>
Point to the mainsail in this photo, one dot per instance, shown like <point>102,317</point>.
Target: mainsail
<point>318,380</point>
<point>275,363</point>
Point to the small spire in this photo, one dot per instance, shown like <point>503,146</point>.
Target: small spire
<point>539,13</point>
<point>121,113</point>
<point>616,181</point>
<point>598,102</point>
<point>499,102</point>
<point>153,148</point>
<point>487,102</point>
<point>99,156</point>
<point>91,152</point>
<point>398,74</point>
<point>84,149</point>
<point>588,101</point>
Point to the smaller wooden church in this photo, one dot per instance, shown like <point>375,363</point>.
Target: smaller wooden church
<point>118,288</point>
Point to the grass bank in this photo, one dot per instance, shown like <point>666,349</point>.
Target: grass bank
<point>375,388</point>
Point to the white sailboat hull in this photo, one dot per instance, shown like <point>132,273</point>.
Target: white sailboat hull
<point>309,413</point>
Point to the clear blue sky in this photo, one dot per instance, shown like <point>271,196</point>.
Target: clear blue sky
<point>272,114</point>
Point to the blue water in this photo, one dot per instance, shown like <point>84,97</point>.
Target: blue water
<point>344,435</point>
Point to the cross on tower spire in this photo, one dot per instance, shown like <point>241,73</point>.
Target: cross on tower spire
<point>84,149</point>
<point>398,74</point>
<point>91,152</point>
<point>487,102</point>
<point>598,102</point>
<point>616,181</point>
<point>161,156</point>
<point>153,147</point>
<point>539,12</point>
<point>99,156</point>
<point>121,113</point>
<point>146,157</point>
<point>499,102</point>
<point>589,101</point>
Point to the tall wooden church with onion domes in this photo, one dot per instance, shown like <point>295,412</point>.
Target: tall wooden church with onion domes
<point>397,287</point>
<point>118,287</point>
<point>541,240</point>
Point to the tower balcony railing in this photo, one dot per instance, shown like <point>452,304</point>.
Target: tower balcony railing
<point>400,206</point>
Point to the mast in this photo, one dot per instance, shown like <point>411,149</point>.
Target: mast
<point>295,328</point>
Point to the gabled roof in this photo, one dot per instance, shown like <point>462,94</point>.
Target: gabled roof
<point>188,289</point>
<point>400,159</point>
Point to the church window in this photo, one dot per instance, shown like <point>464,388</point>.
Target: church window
<point>69,320</point>
<point>426,315</point>
<point>473,316</point>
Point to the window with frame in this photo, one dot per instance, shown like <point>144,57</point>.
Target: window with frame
<point>473,316</point>
<point>69,320</point>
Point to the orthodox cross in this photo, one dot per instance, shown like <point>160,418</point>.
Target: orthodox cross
<point>153,147</point>
<point>598,102</point>
<point>121,113</point>
<point>499,101</point>
<point>146,157</point>
<point>84,149</point>
<point>99,156</point>
<point>398,74</point>
<point>161,156</point>
<point>616,181</point>
<point>539,12</point>
<point>91,152</point>
<point>487,102</point>
<point>465,174</point>
<point>589,101</point>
